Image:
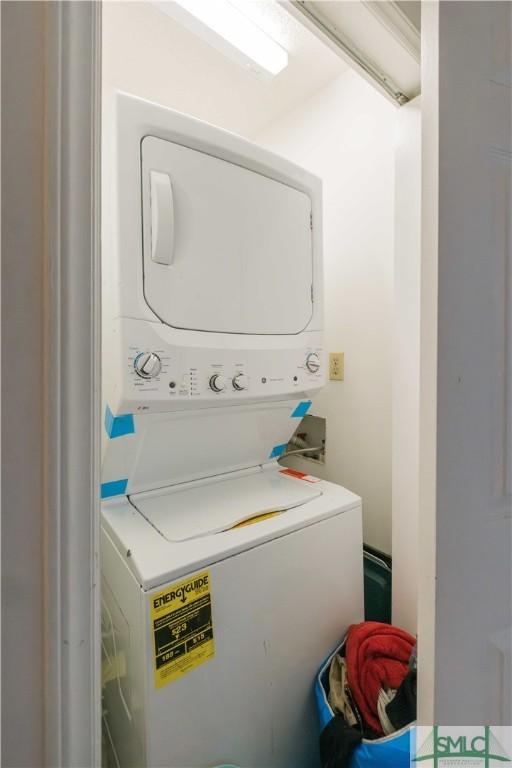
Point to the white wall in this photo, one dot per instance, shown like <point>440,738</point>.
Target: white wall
<point>406,366</point>
<point>346,133</point>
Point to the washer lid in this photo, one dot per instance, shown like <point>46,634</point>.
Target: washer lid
<point>209,507</point>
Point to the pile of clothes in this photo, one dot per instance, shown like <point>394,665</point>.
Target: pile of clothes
<point>372,689</point>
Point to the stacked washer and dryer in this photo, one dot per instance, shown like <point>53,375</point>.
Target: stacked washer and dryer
<point>226,578</point>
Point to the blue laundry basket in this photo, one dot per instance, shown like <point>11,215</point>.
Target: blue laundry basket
<point>388,752</point>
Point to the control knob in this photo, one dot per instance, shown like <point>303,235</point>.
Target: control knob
<point>313,363</point>
<point>240,382</point>
<point>217,382</point>
<point>147,365</point>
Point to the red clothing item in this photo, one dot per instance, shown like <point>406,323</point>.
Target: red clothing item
<point>377,657</point>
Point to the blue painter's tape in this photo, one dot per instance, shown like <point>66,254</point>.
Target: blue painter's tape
<point>109,421</point>
<point>117,426</point>
<point>302,409</point>
<point>114,488</point>
<point>277,450</point>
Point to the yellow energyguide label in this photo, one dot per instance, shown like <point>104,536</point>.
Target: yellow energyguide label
<point>182,627</point>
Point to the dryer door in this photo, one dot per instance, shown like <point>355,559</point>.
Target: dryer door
<point>226,249</point>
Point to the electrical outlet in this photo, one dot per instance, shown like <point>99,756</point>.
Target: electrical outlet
<point>336,366</point>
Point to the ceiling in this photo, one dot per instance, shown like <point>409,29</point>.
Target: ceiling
<point>148,53</point>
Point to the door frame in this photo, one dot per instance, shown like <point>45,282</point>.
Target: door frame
<point>427,474</point>
<point>73,642</point>
<point>51,682</point>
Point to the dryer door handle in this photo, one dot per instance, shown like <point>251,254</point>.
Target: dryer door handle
<point>162,218</point>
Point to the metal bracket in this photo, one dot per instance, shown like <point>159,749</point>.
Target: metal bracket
<point>344,47</point>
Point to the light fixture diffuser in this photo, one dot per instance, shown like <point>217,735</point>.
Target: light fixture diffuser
<point>223,25</point>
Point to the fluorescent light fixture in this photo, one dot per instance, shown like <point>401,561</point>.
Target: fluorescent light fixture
<point>223,25</point>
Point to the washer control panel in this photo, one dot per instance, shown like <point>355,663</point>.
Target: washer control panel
<point>151,370</point>
<point>159,376</point>
<point>162,371</point>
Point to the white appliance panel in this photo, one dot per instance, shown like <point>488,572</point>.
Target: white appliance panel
<point>226,249</point>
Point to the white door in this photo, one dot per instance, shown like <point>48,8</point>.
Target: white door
<point>465,619</point>
<point>225,249</point>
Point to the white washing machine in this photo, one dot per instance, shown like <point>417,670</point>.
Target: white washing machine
<point>226,579</point>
